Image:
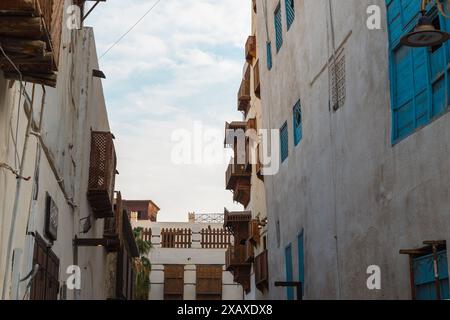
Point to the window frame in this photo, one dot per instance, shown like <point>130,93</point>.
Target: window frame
<point>290,8</point>
<point>278,23</point>
<point>298,128</point>
<point>284,134</point>
<point>399,134</point>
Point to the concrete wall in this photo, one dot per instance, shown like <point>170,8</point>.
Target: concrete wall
<point>190,258</point>
<point>358,198</point>
<point>60,160</point>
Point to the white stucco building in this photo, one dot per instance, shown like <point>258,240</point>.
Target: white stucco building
<point>188,259</point>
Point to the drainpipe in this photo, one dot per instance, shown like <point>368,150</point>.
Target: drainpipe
<point>17,196</point>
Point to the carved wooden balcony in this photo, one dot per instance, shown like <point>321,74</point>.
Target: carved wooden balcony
<point>261,267</point>
<point>249,252</point>
<point>241,192</point>
<point>242,275</point>
<point>244,97</point>
<point>235,257</point>
<point>235,173</point>
<point>250,49</point>
<point>30,34</point>
<point>237,223</point>
<point>102,172</point>
<point>254,232</point>
<point>256,80</point>
<point>234,131</point>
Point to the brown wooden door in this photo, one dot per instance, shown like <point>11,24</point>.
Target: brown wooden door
<point>173,282</point>
<point>46,282</point>
<point>209,282</point>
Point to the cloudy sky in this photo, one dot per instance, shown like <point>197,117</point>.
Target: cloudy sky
<point>179,68</point>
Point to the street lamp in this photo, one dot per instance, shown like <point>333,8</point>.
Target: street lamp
<point>425,34</point>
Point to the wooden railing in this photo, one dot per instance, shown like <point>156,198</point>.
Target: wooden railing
<point>176,238</point>
<point>261,270</point>
<point>102,171</point>
<point>147,234</point>
<point>215,238</point>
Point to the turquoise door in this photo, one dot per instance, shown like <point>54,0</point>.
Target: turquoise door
<point>424,278</point>
<point>289,272</point>
<point>301,262</point>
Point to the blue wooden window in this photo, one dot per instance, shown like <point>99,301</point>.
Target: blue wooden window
<point>284,142</point>
<point>298,126</point>
<point>290,13</point>
<point>424,277</point>
<point>301,261</point>
<point>289,272</point>
<point>419,76</point>
<point>269,55</point>
<point>278,28</point>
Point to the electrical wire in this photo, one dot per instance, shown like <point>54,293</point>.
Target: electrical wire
<point>130,29</point>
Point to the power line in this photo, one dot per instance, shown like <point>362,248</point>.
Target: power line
<point>130,29</point>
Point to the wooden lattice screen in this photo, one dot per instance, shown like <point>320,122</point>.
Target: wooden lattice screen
<point>215,238</point>
<point>176,238</point>
<point>173,282</point>
<point>209,282</point>
<point>102,170</point>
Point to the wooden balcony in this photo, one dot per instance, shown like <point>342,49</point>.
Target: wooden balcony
<point>235,257</point>
<point>241,275</point>
<point>241,192</point>
<point>236,172</point>
<point>244,93</point>
<point>237,223</point>
<point>232,132</point>
<point>102,172</point>
<point>249,252</point>
<point>254,232</point>
<point>250,49</point>
<point>261,271</point>
<point>30,34</point>
<point>256,80</point>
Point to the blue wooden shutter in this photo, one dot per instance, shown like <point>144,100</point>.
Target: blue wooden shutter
<point>301,261</point>
<point>269,55</point>
<point>290,13</point>
<point>284,142</point>
<point>289,272</point>
<point>278,28</point>
<point>424,277</point>
<point>419,79</point>
<point>298,126</point>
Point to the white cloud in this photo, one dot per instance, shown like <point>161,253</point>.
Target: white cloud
<point>178,66</point>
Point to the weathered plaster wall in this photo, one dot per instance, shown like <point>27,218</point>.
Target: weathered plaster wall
<point>71,110</point>
<point>358,198</point>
